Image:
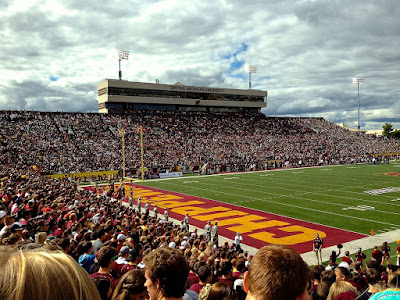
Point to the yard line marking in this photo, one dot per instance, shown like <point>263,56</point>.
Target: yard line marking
<point>296,206</point>
<point>323,193</point>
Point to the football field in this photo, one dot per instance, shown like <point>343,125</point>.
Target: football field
<point>357,198</point>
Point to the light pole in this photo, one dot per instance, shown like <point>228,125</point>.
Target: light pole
<point>250,69</point>
<point>122,54</point>
<point>358,80</point>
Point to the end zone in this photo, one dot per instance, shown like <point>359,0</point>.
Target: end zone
<point>258,228</point>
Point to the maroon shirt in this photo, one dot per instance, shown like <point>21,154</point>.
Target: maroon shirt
<point>377,255</point>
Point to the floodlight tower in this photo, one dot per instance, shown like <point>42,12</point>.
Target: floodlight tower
<point>250,69</point>
<point>358,80</point>
<point>122,54</point>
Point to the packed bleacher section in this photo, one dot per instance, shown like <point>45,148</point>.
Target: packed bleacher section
<point>81,142</point>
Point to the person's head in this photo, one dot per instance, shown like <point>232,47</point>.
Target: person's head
<point>105,256</point>
<point>166,273</point>
<point>240,264</point>
<point>328,276</point>
<point>43,274</point>
<point>316,272</point>
<point>131,286</point>
<point>101,234</point>
<point>204,273</point>
<point>87,247</point>
<point>40,238</point>
<point>323,289</point>
<point>391,269</point>
<point>219,290</point>
<point>277,272</point>
<point>373,276</point>
<point>394,280</point>
<point>342,274</point>
<point>340,287</point>
<point>226,268</point>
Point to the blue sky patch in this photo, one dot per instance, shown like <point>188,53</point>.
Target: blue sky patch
<point>53,78</point>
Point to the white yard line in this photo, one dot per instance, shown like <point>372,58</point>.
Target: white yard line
<point>291,205</point>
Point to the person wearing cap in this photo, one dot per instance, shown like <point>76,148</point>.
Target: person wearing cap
<point>207,230</point>
<point>122,260</point>
<point>16,226</point>
<point>121,240</point>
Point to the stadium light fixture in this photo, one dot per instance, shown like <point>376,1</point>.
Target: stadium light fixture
<point>358,80</point>
<point>250,69</point>
<point>122,54</point>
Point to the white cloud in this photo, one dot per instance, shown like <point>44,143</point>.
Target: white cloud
<point>306,52</point>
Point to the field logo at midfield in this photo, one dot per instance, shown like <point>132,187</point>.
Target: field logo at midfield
<point>258,228</point>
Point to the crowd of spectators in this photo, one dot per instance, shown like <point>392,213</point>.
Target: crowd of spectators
<point>130,255</point>
<point>100,248</point>
<point>82,142</point>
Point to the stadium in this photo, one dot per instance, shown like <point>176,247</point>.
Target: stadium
<point>206,154</point>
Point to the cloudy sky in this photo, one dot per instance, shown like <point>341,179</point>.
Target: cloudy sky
<point>53,53</point>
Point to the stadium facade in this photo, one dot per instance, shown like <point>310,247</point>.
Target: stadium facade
<point>120,95</point>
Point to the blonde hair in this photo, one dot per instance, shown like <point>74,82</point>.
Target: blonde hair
<point>41,238</point>
<point>339,287</point>
<point>43,274</point>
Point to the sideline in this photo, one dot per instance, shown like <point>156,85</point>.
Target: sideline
<point>363,243</point>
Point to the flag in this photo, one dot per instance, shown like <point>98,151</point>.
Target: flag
<point>139,129</point>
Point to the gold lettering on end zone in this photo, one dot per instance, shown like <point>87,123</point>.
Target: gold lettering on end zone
<point>305,235</point>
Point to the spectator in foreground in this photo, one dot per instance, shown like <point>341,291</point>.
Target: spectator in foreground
<point>43,274</point>
<point>106,257</point>
<point>268,276</point>
<point>131,286</point>
<point>166,274</point>
<point>342,290</point>
<point>393,291</point>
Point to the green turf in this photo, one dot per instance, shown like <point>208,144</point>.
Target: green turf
<point>333,196</point>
